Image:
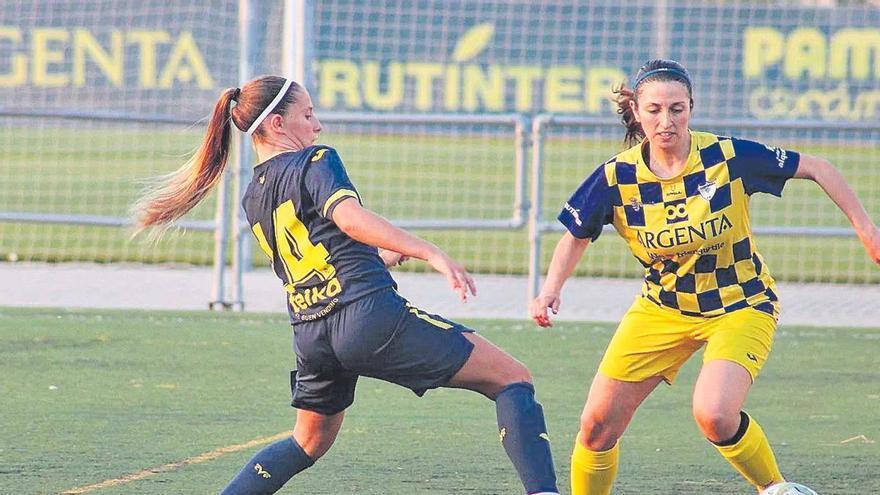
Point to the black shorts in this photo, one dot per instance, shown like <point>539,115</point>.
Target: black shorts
<point>381,336</point>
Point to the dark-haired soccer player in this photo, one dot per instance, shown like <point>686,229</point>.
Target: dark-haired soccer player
<point>348,319</point>
<point>680,200</point>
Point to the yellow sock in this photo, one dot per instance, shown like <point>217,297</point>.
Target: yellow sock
<point>752,456</point>
<point>593,473</point>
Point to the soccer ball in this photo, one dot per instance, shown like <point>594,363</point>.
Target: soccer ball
<point>788,488</point>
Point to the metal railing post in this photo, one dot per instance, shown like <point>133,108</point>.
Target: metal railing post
<point>221,234</point>
<point>252,22</point>
<point>661,28</point>
<point>298,38</point>
<point>535,204</point>
<point>522,142</point>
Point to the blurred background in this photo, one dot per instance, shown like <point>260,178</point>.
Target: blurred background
<point>468,121</point>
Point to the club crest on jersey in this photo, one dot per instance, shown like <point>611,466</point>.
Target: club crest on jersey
<point>707,190</point>
<point>635,203</point>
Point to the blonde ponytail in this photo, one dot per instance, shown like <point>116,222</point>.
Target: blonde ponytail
<point>177,193</point>
<point>173,195</point>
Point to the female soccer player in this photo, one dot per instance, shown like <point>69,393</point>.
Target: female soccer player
<point>347,317</point>
<point>680,200</point>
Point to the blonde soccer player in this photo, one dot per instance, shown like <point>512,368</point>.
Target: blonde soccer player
<point>348,319</point>
<point>680,200</point>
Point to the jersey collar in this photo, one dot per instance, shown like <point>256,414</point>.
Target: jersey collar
<point>644,173</point>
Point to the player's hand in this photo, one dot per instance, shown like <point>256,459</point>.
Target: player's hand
<point>871,241</point>
<point>459,279</point>
<point>539,306</point>
<point>392,258</point>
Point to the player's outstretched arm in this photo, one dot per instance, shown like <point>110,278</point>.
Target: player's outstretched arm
<point>365,226</point>
<point>568,252</point>
<point>835,186</point>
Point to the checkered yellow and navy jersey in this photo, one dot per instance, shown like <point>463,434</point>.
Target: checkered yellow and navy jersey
<point>289,205</point>
<point>691,232</point>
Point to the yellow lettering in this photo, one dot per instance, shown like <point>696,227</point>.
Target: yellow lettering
<point>852,48</point>
<point>301,258</point>
<point>44,55</point>
<point>758,104</point>
<point>339,77</point>
<point>767,103</point>
<point>488,87</point>
<point>147,41</point>
<point>299,301</point>
<point>805,53</point>
<point>600,81</point>
<point>372,86</point>
<point>334,287</point>
<point>810,102</point>
<point>111,65</point>
<point>314,295</point>
<point>868,102</point>
<point>762,47</point>
<point>451,94</point>
<point>264,245</point>
<point>17,75</point>
<point>424,75</point>
<point>562,90</point>
<point>836,104</point>
<point>524,78</point>
<point>185,62</point>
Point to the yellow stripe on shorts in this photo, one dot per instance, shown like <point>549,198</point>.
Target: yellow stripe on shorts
<point>424,316</point>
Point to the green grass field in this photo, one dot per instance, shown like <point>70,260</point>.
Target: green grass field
<point>94,395</point>
<point>98,171</point>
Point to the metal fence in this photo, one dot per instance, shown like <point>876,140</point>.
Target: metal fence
<point>512,129</point>
<point>401,71</point>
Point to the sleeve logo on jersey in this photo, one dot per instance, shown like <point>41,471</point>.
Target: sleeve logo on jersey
<point>318,154</point>
<point>781,155</point>
<point>676,211</point>
<point>707,190</point>
<point>574,213</point>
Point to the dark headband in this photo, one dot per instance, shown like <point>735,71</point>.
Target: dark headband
<point>668,70</point>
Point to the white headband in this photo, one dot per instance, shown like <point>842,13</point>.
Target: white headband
<point>268,110</point>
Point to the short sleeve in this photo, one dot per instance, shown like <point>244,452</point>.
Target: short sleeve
<point>762,168</point>
<point>589,208</point>
<point>326,180</point>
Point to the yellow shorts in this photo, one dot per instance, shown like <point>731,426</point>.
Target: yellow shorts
<point>653,341</point>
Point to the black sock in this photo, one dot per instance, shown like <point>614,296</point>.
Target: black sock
<point>269,469</point>
<point>524,436</point>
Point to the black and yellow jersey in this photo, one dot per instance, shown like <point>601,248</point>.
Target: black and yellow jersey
<point>289,205</point>
<point>691,232</point>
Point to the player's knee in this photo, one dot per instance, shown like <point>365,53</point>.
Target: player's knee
<point>506,374</point>
<point>597,433</point>
<point>516,372</point>
<point>715,424</point>
<point>315,442</point>
<point>316,445</point>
